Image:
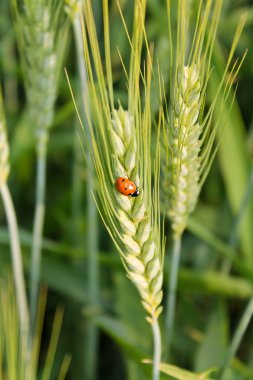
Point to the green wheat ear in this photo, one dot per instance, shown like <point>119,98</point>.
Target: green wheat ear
<point>138,243</point>
<point>4,147</point>
<point>188,131</point>
<point>181,171</point>
<point>41,36</point>
<point>121,147</point>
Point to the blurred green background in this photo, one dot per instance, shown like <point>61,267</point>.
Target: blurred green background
<point>210,300</point>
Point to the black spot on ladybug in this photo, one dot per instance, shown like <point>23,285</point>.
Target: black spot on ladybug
<point>123,180</point>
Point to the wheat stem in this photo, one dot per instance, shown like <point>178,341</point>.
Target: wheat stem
<point>16,260</point>
<point>13,228</point>
<point>240,330</point>
<point>157,349</point>
<point>73,9</point>
<point>189,138</point>
<point>233,239</point>
<point>247,315</point>
<point>91,340</point>
<point>38,222</point>
<point>172,291</point>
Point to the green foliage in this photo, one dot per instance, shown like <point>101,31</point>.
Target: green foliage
<point>19,357</point>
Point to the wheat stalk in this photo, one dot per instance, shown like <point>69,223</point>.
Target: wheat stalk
<point>17,263</point>
<point>4,148</point>
<point>74,10</point>
<point>121,147</point>
<point>41,33</point>
<point>188,132</point>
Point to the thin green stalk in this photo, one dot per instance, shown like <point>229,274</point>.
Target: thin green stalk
<point>92,229</point>
<point>41,34</point>
<point>247,315</point>
<point>237,223</point>
<point>38,222</point>
<point>80,58</point>
<point>16,260</point>
<point>77,193</point>
<point>172,290</point>
<point>93,285</point>
<point>157,349</point>
<point>240,330</point>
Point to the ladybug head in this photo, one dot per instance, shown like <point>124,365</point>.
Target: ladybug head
<point>136,193</point>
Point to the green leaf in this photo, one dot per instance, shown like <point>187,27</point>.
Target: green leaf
<point>234,158</point>
<point>213,348</point>
<point>239,369</point>
<point>200,230</point>
<point>210,282</point>
<point>182,374</point>
<point>64,279</point>
<point>121,334</point>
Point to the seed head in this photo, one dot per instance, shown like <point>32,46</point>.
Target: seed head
<point>181,169</point>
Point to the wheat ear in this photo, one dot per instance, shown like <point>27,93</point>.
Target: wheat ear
<point>121,147</point>
<point>138,243</point>
<point>41,38</point>
<point>181,170</point>
<point>17,263</point>
<point>189,134</point>
<point>38,28</point>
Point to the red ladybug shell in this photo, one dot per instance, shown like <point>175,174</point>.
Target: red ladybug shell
<point>126,187</point>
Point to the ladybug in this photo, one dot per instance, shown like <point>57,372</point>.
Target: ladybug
<point>126,187</point>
